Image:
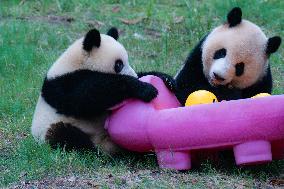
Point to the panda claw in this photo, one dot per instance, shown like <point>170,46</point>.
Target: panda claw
<point>170,83</point>
<point>148,93</point>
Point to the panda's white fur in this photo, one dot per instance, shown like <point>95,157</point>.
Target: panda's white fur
<point>76,58</point>
<point>245,43</point>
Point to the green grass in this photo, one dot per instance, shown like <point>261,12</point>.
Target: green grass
<point>30,41</point>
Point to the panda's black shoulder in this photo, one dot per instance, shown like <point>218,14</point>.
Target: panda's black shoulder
<point>193,67</point>
<point>195,56</point>
<point>191,76</point>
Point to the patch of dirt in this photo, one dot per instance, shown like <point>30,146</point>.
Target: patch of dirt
<point>68,182</point>
<point>53,19</point>
<point>134,179</point>
<point>278,181</point>
<point>50,18</point>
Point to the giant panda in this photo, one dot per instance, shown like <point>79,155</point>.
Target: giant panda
<point>89,78</point>
<point>231,61</point>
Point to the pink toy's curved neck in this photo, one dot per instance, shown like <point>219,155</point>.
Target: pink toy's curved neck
<point>134,116</point>
<point>165,98</point>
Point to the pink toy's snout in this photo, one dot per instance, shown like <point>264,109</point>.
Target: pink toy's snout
<point>256,134</point>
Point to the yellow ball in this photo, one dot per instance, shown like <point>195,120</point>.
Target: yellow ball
<point>200,97</point>
<point>261,95</point>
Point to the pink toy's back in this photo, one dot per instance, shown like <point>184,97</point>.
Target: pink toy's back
<point>254,128</point>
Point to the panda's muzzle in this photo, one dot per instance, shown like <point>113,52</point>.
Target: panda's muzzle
<point>217,77</point>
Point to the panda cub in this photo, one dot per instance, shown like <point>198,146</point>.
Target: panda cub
<point>231,61</point>
<point>89,78</point>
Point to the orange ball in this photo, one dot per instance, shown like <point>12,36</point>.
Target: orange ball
<point>200,97</point>
<point>261,95</point>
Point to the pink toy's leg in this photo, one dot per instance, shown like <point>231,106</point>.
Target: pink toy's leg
<point>253,152</point>
<point>174,160</point>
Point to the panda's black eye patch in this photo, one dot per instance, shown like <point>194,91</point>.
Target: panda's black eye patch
<point>118,66</point>
<point>240,68</point>
<point>221,53</point>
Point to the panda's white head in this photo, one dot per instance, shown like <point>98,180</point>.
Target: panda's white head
<point>104,53</point>
<point>96,52</point>
<point>236,53</point>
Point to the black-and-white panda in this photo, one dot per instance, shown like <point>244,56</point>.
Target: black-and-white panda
<point>231,61</point>
<point>90,77</point>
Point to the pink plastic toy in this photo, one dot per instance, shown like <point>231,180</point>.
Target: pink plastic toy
<point>254,128</point>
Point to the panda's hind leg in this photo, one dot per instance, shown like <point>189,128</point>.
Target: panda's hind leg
<point>68,137</point>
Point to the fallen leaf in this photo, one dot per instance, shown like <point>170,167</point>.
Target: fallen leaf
<point>94,23</point>
<point>152,33</point>
<point>178,19</point>
<point>116,9</point>
<point>133,21</point>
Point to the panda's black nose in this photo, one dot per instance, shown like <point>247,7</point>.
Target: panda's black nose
<point>219,78</point>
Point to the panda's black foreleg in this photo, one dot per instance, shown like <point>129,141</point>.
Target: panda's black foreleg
<point>167,79</point>
<point>265,85</point>
<point>222,93</point>
<point>225,93</point>
<point>85,93</point>
<point>182,94</point>
<point>65,136</point>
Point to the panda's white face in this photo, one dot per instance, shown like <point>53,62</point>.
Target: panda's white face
<point>96,52</point>
<point>109,57</point>
<point>235,56</point>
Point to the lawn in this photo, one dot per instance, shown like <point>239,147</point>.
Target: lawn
<point>158,36</point>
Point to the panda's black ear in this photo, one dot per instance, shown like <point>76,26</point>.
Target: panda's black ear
<point>92,39</point>
<point>234,17</point>
<point>113,32</point>
<point>273,44</point>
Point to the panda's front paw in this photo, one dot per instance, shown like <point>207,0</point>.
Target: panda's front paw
<point>147,92</point>
<point>170,83</point>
